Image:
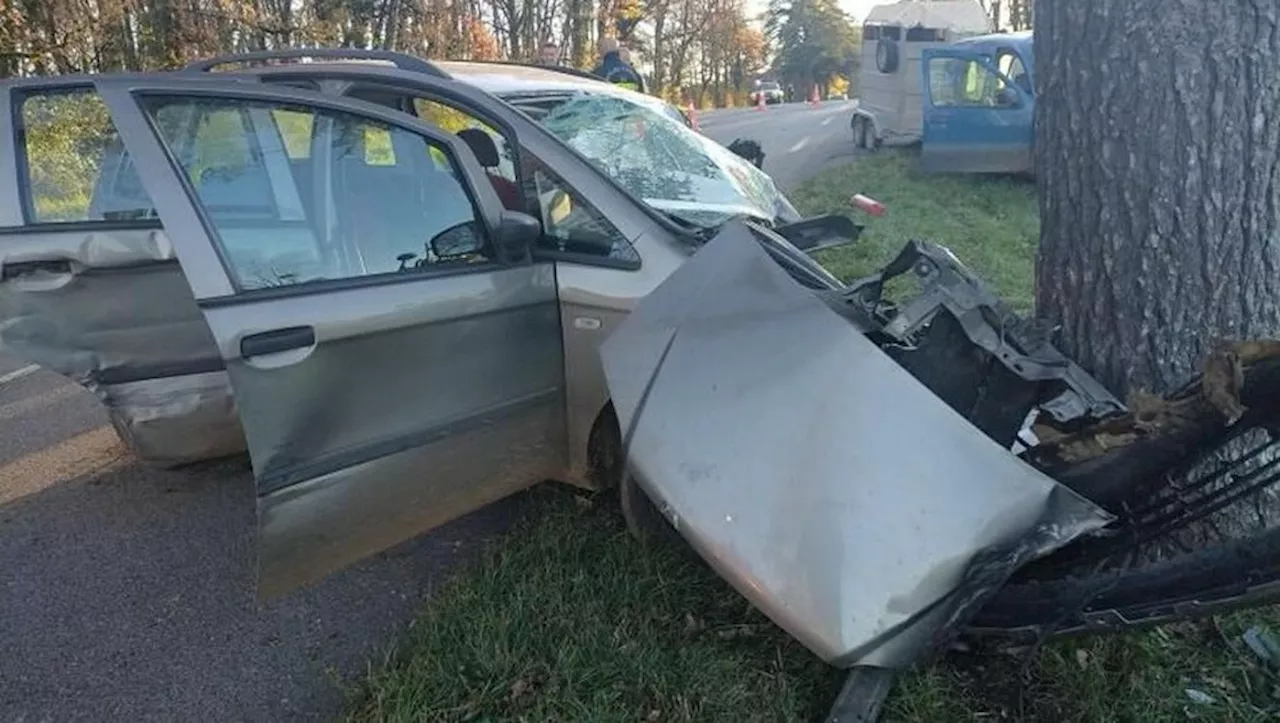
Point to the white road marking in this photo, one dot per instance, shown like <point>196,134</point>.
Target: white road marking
<point>828,119</point>
<point>17,374</point>
<point>803,142</point>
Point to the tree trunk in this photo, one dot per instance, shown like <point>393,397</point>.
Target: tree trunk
<point>1158,163</point>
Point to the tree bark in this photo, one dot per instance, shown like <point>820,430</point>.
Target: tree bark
<point>1158,163</point>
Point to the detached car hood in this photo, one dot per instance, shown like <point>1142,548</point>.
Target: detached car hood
<point>830,487</point>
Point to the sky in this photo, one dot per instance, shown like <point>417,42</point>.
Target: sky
<point>857,8</point>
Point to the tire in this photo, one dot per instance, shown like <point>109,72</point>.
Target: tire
<point>644,521</point>
<point>887,55</point>
<point>864,134</point>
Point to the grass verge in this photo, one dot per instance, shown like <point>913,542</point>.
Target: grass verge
<point>568,619</point>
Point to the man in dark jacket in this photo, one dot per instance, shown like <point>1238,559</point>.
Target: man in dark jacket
<point>615,69</point>
<point>549,55</point>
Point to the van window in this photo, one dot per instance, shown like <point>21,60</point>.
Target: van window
<point>1010,64</point>
<point>74,167</point>
<point>961,82</point>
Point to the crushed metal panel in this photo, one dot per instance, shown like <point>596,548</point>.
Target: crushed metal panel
<point>822,480</point>
<point>176,420</point>
<point>112,311</point>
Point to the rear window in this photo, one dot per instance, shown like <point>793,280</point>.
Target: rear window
<point>74,167</point>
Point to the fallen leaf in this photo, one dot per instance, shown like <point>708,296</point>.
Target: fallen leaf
<point>1199,696</point>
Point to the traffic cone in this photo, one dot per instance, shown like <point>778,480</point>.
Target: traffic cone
<point>760,102</point>
<point>693,117</point>
<point>813,98</point>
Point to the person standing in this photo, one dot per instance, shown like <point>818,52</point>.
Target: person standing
<point>614,69</point>
<point>549,54</point>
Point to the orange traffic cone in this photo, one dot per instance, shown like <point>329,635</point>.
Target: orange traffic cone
<point>693,117</point>
<point>760,102</point>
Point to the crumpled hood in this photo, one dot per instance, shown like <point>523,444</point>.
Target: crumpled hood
<point>824,482</point>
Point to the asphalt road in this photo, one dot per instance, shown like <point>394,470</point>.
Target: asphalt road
<point>798,139</point>
<point>127,593</point>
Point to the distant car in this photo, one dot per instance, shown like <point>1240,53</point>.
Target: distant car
<point>771,91</point>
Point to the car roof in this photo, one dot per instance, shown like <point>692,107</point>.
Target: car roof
<point>504,78</point>
<point>1020,39</point>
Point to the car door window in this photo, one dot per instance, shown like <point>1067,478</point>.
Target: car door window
<point>964,83</point>
<point>1010,64</point>
<point>493,150</point>
<point>366,199</point>
<point>573,226</point>
<point>74,167</point>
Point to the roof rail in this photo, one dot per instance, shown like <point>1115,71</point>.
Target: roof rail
<point>402,61</point>
<point>567,70</point>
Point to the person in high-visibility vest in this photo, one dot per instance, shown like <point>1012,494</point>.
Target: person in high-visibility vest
<point>615,69</point>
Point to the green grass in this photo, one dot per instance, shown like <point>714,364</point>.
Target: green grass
<point>993,226</point>
<point>569,619</point>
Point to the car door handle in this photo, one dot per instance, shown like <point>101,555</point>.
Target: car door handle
<point>277,340</point>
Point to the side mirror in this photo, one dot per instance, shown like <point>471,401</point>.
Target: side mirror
<point>516,234</point>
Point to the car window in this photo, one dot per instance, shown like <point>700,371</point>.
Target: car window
<point>1010,64</point>
<point>963,82</point>
<point>454,120</point>
<point>368,198</point>
<point>74,167</point>
<point>572,225</point>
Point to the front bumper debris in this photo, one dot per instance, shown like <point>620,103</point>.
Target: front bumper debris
<point>828,485</point>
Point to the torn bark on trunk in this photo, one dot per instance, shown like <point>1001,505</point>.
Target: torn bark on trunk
<point>1158,161</point>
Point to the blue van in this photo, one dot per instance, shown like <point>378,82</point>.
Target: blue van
<point>979,105</point>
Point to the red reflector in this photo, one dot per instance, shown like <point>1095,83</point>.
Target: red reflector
<point>868,204</point>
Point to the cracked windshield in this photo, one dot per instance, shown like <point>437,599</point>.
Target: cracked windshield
<point>672,168</point>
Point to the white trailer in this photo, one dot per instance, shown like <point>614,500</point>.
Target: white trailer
<point>890,101</point>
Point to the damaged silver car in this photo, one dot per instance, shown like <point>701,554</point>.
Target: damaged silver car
<point>414,290</point>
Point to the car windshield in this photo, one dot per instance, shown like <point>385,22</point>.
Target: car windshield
<point>655,156</point>
<point>769,86</point>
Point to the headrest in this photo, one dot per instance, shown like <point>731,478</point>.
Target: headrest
<point>482,145</point>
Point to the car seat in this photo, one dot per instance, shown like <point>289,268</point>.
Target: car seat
<point>486,152</point>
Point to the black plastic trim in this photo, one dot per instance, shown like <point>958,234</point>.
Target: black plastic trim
<point>277,340</point>
<point>160,370</point>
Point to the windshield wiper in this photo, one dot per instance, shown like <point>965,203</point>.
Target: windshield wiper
<point>700,233</point>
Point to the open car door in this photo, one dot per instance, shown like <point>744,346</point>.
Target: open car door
<point>976,120</point>
<point>89,284</point>
<point>394,355</point>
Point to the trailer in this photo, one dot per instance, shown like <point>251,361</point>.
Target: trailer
<point>894,38</point>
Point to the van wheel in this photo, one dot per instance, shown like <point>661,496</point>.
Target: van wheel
<point>643,519</point>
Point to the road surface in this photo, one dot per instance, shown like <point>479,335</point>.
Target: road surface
<point>798,139</point>
<point>127,593</point>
